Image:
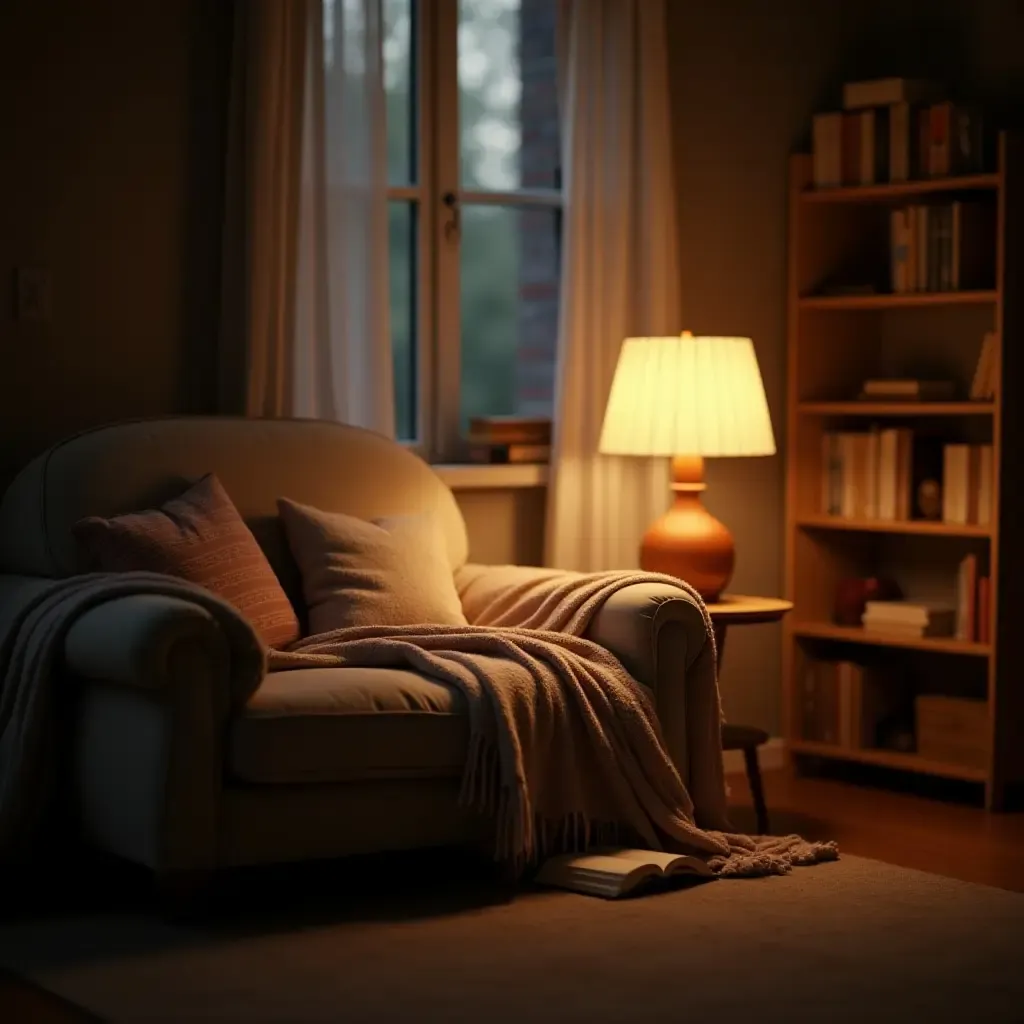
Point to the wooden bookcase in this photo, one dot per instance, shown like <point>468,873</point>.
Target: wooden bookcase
<point>834,343</point>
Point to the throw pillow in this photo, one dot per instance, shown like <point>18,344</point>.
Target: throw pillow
<point>199,537</point>
<point>388,572</point>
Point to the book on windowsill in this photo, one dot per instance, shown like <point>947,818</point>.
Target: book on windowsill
<point>510,430</point>
<point>500,454</point>
<point>613,872</point>
<point>896,390</point>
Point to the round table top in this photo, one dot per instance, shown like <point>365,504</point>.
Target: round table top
<point>730,608</point>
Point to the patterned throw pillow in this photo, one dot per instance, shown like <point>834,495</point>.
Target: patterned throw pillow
<point>199,537</point>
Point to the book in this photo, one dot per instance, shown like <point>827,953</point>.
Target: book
<point>612,872</point>
<point>984,634</point>
<point>899,250</point>
<point>900,141</point>
<point>827,147</point>
<point>962,483</point>
<point>510,430</point>
<point>501,454</point>
<point>897,389</point>
<point>967,598</point>
<point>985,380</point>
<point>883,92</point>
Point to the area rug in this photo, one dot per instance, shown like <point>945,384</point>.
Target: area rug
<point>851,941</point>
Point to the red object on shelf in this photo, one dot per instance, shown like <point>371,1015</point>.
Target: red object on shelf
<point>853,594</point>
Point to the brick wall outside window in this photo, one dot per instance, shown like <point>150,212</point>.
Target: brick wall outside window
<point>538,242</point>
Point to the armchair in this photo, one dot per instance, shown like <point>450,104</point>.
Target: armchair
<point>184,764</point>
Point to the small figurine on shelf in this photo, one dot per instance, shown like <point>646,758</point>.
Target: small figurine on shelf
<point>929,499</point>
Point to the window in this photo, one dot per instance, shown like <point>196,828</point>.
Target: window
<point>475,210</point>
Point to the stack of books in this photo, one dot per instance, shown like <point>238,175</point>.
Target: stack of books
<point>506,439</point>
<point>942,247</point>
<point>910,619</point>
<point>896,129</point>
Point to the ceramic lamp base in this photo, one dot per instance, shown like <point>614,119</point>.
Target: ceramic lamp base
<point>688,542</point>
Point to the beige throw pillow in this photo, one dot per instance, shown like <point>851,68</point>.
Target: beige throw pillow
<point>388,572</point>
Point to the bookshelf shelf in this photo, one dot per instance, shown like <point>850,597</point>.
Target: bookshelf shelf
<point>859,407</point>
<point>898,191</point>
<point>890,759</point>
<point>915,527</point>
<point>859,635</point>
<point>897,300</point>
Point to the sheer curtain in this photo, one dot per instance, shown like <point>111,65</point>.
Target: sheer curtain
<point>620,269</point>
<point>306,327</point>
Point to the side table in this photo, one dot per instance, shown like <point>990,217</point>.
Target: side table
<point>738,610</point>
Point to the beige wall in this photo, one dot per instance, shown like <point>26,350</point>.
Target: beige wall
<point>505,527</point>
<point>110,177</point>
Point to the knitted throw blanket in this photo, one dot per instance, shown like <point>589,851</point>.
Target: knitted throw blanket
<point>564,745</point>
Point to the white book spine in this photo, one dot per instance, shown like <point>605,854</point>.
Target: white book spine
<point>888,441</point>
<point>955,486</point>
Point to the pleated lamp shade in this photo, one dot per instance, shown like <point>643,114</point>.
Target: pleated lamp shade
<point>687,395</point>
<point>688,398</point>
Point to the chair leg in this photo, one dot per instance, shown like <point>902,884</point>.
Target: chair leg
<point>756,789</point>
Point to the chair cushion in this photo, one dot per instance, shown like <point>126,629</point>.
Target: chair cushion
<point>349,724</point>
<point>198,536</point>
<point>393,571</point>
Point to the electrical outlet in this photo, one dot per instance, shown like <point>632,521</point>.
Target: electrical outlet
<point>32,294</point>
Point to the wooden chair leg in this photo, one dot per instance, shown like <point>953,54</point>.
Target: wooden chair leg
<point>756,789</point>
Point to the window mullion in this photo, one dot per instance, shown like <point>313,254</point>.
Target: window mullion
<point>443,16</point>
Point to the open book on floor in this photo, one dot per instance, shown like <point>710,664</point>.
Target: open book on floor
<point>612,871</point>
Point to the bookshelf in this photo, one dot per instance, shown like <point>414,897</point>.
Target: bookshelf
<point>835,342</point>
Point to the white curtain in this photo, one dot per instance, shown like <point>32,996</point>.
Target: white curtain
<point>306,326</point>
<point>620,269</point>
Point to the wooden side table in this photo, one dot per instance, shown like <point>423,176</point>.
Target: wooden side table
<point>738,610</point>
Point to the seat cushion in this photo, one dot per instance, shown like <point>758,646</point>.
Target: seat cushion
<point>349,724</point>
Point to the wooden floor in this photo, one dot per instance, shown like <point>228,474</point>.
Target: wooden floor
<point>946,838</point>
<point>951,839</point>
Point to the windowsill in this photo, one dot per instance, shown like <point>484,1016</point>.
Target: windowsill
<point>471,476</point>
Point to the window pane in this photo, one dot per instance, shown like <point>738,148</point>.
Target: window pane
<point>402,242</point>
<point>509,309</point>
<point>508,112</point>
<point>399,81</point>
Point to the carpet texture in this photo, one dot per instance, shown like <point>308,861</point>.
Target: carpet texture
<point>849,941</point>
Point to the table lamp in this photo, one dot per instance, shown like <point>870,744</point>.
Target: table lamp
<point>688,398</point>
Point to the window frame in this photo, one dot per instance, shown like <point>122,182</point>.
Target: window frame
<point>437,332</point>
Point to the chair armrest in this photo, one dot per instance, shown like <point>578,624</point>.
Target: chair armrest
<point>654,629</point>
<point>159,679</point>
<point>489,592</point>
<point>144,640</point>
<point>137,640</point>
<point>658,632</point>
